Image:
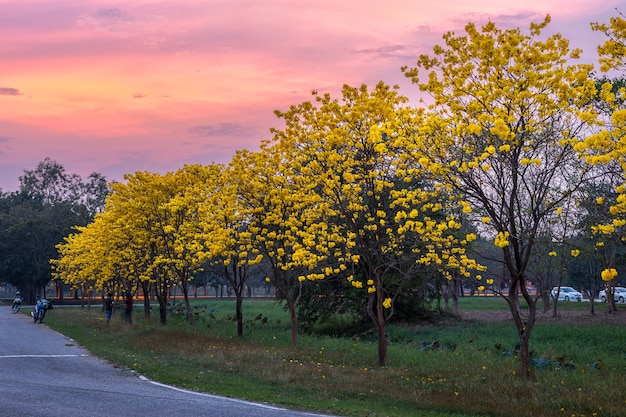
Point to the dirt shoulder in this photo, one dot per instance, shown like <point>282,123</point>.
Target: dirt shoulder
<point>564,316</point>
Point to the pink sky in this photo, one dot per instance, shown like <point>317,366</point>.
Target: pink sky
<point>118,87</point>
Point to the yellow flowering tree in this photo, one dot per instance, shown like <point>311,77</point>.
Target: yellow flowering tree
<point>507,110</point>
<point>607,148</point>
<point>152,233</point>
<point>79,264</point>
<point>181,223</point>
<point>104,255</point>
<point>226,219</point>
<point>607,235</point>
<point>163,250</point>
<point>377,212</point>
<point>280,212</point>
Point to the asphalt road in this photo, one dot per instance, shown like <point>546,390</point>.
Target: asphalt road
<point>43,373</point>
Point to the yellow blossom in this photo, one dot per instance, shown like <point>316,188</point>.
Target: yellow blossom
<point>502,239</point>
<point>387,303</point>
<point>552,253</point>
<point>619,222</point>
<point>575,252</point>
<point>608,274</point>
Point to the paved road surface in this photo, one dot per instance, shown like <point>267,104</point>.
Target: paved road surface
<point>43,373</point>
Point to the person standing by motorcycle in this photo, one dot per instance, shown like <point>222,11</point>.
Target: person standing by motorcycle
<point>17,302</point>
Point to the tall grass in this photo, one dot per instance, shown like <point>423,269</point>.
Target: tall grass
<point>460,369</point>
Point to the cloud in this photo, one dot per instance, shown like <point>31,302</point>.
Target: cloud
<point>111,14</point>
<point>220,129</point>
<point>503,20</point>
<point>138,95</point>
<point>110,20</point>
<point>390,51</point>
<point>7,91</point>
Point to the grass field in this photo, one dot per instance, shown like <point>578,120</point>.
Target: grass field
<point>456,369</point>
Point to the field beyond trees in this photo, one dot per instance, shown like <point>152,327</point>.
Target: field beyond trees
<point>449,366</point>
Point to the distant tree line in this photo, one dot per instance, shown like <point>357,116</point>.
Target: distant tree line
<point>49,203</point>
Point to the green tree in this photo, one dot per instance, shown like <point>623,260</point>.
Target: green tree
<point>49,203</point>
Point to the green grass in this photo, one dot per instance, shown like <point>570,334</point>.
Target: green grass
<point>460,369</point>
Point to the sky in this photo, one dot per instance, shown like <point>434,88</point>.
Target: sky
<point>151,85</point>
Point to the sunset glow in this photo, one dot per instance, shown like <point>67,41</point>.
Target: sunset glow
<point>116,88</point>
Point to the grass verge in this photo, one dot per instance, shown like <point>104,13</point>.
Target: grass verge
<point>461,369</point>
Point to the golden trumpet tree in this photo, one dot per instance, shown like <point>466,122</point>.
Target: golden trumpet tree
<point>281,212</point>
<point>376,210</point>
<point>79,265</point>
<point>613,51</point>
<point>607,148</point>
<point>508,109</point>
<point>181,223</point>
<point>137,207</point>
<point>151,233</point>
<point>99,256</point>
<point>226,222</point>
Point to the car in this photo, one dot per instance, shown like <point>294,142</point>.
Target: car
<point>619,295</point>
<point>567,294</point>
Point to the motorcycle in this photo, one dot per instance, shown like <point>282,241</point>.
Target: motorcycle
<point>17,304</point>
<point>40,310</point>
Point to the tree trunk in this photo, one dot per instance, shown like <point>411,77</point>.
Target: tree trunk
<point>239,313</point>
<point>376,312</point>
<point>382,337</point>
<point>610,299</point>
<point>145,286</point>
<point>457,287</point>
<point>294,322</point>
<point>545,301</point>
<point>162,307</point>
<point>554,306</point>
<point>524,327</point>
<point>525,368</point>
<point>190,316</point>
<point>59,285</point>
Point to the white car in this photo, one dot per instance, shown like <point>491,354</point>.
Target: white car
<point>567,294</point>
<point>619,295</point>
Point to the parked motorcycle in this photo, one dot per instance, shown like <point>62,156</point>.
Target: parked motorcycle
<point>17,304</point>
<point>41,307</point>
